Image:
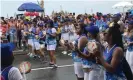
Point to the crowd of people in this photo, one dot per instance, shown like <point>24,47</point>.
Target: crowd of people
<point>112,35</point>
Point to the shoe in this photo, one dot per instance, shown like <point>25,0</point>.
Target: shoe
<point>64,52</point>
<point>51,64</point>
<point>69,54</point>
<point>28,54</point>
<point>55,66</point>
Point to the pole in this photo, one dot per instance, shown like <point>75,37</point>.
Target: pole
<point>38,2</point>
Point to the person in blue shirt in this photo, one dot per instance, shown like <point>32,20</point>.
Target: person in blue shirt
<point>51,43</point>
<point>103,23</point>
<point>55,23</point>
<point>98,22</point>
<point>129,53</point>
<point>113,55</point>
<point>13,34</point>
<point>92,70</point>
<point>78,68</point>
<point>31,37</point>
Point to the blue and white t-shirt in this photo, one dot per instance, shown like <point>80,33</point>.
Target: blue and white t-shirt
<point>49,39</point>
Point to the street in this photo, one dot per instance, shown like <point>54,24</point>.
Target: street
<point>41,71</point>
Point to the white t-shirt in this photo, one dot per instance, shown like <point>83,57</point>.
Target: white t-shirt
<point>14,74</point>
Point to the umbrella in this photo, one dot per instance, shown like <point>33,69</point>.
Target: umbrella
<point>30,7</point>
<point>122,4</point>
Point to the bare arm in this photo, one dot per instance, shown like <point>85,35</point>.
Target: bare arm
<point>116,59</point>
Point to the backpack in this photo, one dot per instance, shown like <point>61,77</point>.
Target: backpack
<point>4,73</point>
<point>127,70</point>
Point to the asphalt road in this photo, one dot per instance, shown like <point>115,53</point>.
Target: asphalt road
<point>39,71</point>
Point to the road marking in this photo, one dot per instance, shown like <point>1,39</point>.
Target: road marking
<point>51,67</point>
<point>18,51</point>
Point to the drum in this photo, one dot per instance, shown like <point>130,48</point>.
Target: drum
<point>37,37</point>
<point>44,32</point>
<point>25,67</point>
<point>62,41</point>
<point>91,46</point>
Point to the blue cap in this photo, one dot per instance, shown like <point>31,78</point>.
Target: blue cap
<point>41,24</point>
<point>104,16</point>
<point>130,16</point>
<point>6,49</point>
<point>25,22</point>
<point>117,15</point>
<point>29,22</point>
<point>92,29</point>
<point>130,22</point>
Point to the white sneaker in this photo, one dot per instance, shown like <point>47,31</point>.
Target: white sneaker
<point>31,55</point>
<point>64,52</point>
<point>69,54</point>
<point>55,66</point>
<point>28,54</point>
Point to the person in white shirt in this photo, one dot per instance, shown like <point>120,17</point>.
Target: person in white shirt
<point>8,72</point>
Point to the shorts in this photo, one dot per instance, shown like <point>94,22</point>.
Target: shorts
<point>30,42</point>
<point>36,46</point>
<point>51,47</point>
<point>78,69</point>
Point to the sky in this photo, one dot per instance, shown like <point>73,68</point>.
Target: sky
<point>9,7</point>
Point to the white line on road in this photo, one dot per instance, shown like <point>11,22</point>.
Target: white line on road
<point>18,51</point>
<point>51,67</point>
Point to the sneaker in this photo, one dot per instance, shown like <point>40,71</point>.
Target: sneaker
<point>64,52</point>
<point>28,54</point>
<point>55,66</point>
<point>51,64</point>
<point>69,54</point>
<point>31,55</point>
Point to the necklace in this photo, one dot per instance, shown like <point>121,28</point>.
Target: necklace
<point>108,50</point>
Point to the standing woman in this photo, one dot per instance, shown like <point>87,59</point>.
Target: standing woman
<point>51,43</point>
<point>19,35</point>
<point>78,68</point>
<point>92,70</point>
<point>113,55</point>
<point>12,33</point>
<point>129,53</point>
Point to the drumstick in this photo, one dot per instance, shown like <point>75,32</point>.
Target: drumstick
<point>24,73</point>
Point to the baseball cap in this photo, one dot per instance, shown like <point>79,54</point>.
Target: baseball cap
<point>130,22</point>
<point>92,29</point>
<point>6,49</point>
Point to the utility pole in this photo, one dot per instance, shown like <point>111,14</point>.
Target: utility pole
<point>42,6</point>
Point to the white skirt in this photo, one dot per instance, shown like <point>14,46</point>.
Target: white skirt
<point>51,47</point>
<point>30,42</point>
<point>78,69</point>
